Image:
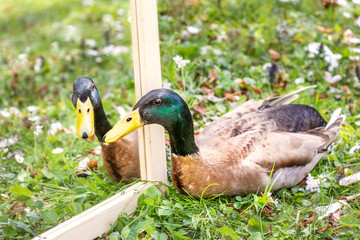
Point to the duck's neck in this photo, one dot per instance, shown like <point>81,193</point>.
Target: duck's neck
<point>181,135</point>
<point>101,122</point>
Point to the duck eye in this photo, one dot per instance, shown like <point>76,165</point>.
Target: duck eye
<point>128,119</point>
<point>88,110</point>
<point>157,101</point>
<point>92,87</point>
<point>79,110</point>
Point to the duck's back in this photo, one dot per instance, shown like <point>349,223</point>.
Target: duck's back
<point>244,144</point>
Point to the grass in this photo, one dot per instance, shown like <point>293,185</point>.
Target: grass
<point>45,189</point>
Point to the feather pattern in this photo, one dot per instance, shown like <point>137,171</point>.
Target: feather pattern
<point>237,151</point>
<point>121,158</point>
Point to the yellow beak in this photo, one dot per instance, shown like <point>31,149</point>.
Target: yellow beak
<point>85,119</point>
<point>128,124</point>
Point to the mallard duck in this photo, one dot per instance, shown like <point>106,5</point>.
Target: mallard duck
<point>235,154</point>
<point>121,158</point>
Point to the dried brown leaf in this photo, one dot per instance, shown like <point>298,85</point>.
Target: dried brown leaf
<point>199,108</point>
<point>14,81</point>
<point>321,230</point>
<point>324,29</point>
<point>256,89</point>
<point>213,76</point>
<point>346,90</point>
<point>323,96</point>
<point>230,97</point>
<point>310,220</point>
<point>349,198</point>
<point>206,89</point>
<point>93,164</point>
<point>328,3</point>
<point>274,55</point>
<point>92,151</point>
<point>27,123</point>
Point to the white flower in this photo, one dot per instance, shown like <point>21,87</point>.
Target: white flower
<point>346,15</point>
<point>38,130</point>
<point>4,196</point>
<point>56,25</point>
<point>222,36</point>
<point>23,58</point>
<point>266,66</point>
<point>342,3</point>
<point>167,85</point>
<point>71,33</point>
<point>313,184</point>
<point>19,158</point>
<point>180,61</point>
<point>90,42</point>
<point>114,50</point>
<point>354,58</point>
<point>314,48</point>
<point>357,21</point>
<point>55,46</point>
<point>275,202</point>
<point>5,150</point>
<point>92,52</point>
<point>120,12</point>
<point>119,36</point>
<point>34,118</point>
<point>97,150</point>
<point>329,56</point>
<point>332,79</point>
<point>55,127</point>
<point>348,34</point>
<point>108,18</point>
<point>333,60</point>
<point>57,150</point>
<point>299,80</point>
<point>3,143</point>
<point>270,198</point>
<point>118,26</point>
<point>88,2</point>
<point>356,1</point>
<point>12,140</point>
<point>204,49</point>
<point>193,30</point>
<point>354,40</point>
<point>32,109</point>
<point>356,50</point>
<point>83,163</point>
<point>185,34</point>
<point>15,111</point>
<point>217,52</point>
<point>98,59</point>
<point>120,49</point>
<point>38,64</point>
<point>5,114</point>
<point>354,148</point>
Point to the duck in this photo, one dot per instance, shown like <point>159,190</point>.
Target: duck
<point>121,158</point>
<point>240,151</point>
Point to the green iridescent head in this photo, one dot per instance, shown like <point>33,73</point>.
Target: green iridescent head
<point>164,107</point>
